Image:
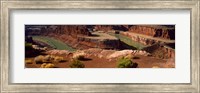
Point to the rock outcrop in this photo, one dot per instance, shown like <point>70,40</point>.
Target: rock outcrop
<point>122,53</point>
<point>72,30</point>
<point>75,35</point>
<point>111,27</point>
<point>162,31</point>
<point>155,31</point>
<point>161,51</point>
<point>99,43</point>
<point>140,39</point>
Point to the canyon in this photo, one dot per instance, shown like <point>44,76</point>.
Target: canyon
<point>94,36</point>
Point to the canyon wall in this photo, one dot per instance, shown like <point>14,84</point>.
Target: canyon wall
<point>75,36</point>
<point>140,39</point>
<point>161,51</point>
<point>97,43</point>
<point>162,31</point>
<point>111,27</point>
<point>81,42</point>
<point>155,31</point>
<point>72,30</point>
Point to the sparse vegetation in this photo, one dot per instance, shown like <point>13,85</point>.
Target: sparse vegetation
<point>28,46</point>
<point>77,64</point>
<point>99,46</point>
<point>28,61</point>
<point>79,56</point>
<point>136,57</point>
<point>155,67</point>
<point>130,56</point>
<point>48,58</point>
<point>59,59</point>
<point>39,59</point>
<point>124,62</point>
<point>49,65</point>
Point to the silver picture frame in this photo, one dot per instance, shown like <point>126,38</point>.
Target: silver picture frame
<point>8,5</point>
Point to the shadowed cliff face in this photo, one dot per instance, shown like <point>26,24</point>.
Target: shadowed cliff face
<point>111,27</point>
<point>161,50</point>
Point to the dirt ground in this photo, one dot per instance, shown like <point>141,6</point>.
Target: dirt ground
<point>95,62</point>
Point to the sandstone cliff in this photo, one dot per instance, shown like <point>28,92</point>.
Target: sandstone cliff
<point>154,31</point>
<point>162,31</point>
<point>72,30</point>
<point>74,34</point>
<point>161,51</point>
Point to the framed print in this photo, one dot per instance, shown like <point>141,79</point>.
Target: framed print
<point>100,46</point>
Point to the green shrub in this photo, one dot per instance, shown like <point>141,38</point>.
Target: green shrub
<point>130,56</point>
<point>136,57</point>
<point>28,46</point>
<point>79,56</point>
<point>125,62</point>
<point>77,64</point>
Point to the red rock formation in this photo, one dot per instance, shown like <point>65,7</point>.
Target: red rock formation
<point>155,31</point>
<point>70,34</point>
<point>163,31</point>
<point>111,27</point>
<point>161,51</point>
<point>72,30</point>
<point>140,39</point>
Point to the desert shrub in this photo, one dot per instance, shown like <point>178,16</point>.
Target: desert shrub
<point>49,65</point>
<point>39,59</point>
<point>28,46</point>
<point>79,56</point>
<point>28,61</point>
<point>43,65</point>
<point>59,59</point>
<point>124,62</point>
<point>48,58</point>
<point>155,67</point>
<point>77,64</point>
<point>130,56</point>
<point>136,57</point>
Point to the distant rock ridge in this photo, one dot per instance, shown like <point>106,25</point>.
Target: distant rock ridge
<point>162,31</point>
<point>72,30</point>
<point>155,31</point>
